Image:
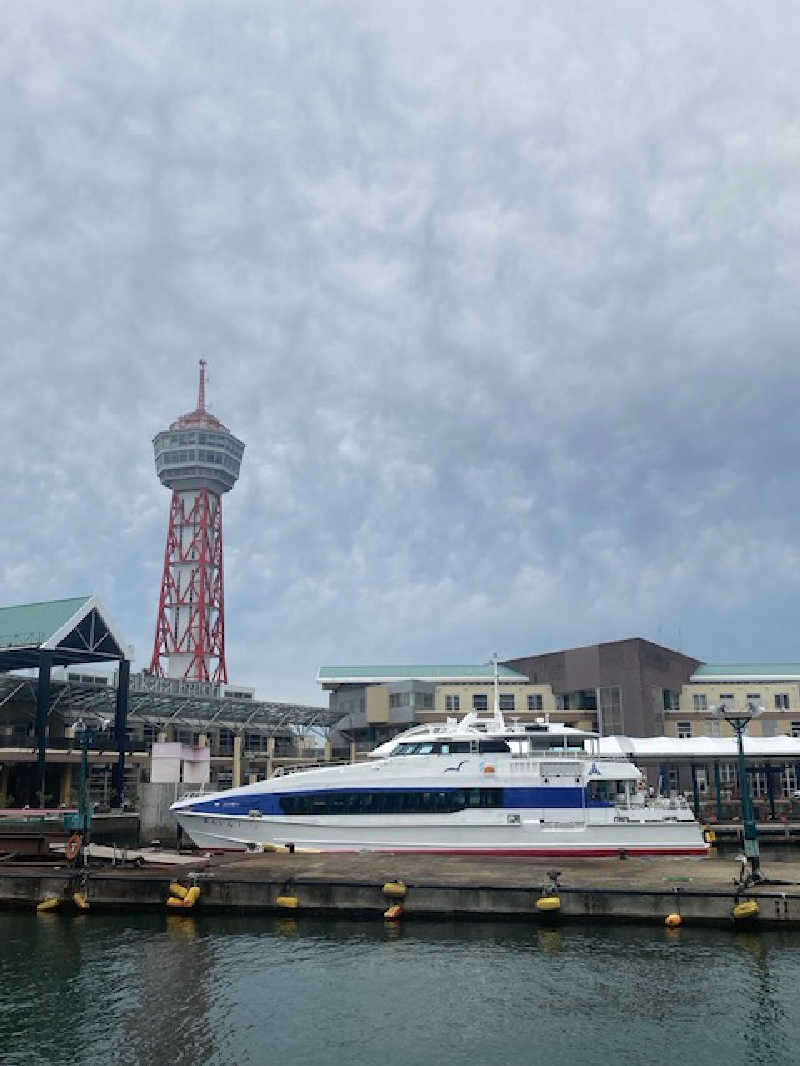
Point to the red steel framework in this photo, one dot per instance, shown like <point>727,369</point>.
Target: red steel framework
<point>191,606</point>
<point>193,540</point>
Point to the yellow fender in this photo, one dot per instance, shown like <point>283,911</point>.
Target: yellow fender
<point>748,909</point>
<point>192,896</point>
<point>394,913</point>
<point>51,903</point>
<point>81,901</point>
<point>548,903</point>
<point>672,921</point>
<point>395,890</point>
<point>289,903</point>
<point>178,890</point>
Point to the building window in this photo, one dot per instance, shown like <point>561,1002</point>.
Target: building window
<point>255,742</point>
<point>714,729</point>
<point>399,699</point>
<point>684,730</point>
<point>671,700</point>
<point>423,701</point>
<point>781,701</point>
<point>535,702</point>
<point>754,696</point>
<point>699,701</point>
<point>758,784</point>
<point>726,698</point>
<point>480,701</point>
<point>673,779</point>
<point>727,774</point>
<point>789,780</point>
<point>452,703</point>
<point>768,727</point>
<point>610,711</point>
<point>506,701</point>
<point>795,729</point>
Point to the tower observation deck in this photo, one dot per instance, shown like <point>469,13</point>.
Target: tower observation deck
<point>198,458</point>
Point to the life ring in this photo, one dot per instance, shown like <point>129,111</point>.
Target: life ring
<point>73,846</point>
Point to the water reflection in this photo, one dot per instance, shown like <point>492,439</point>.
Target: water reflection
<point>287,926</point>
<point>182,926</point>
<point>763,1030</point>
<point>204,989</point>
<point>550,941</point>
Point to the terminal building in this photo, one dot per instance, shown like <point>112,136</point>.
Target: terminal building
<point>620,687</point>
<point>65,680</point>
<point>654,701</point>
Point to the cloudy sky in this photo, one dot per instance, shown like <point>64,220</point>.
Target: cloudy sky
<point>503,300</point>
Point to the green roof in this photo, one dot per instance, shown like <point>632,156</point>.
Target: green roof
<point>75,630</point>
<point>708,671</point>
<point>484,672</point>
<point>32,624</point>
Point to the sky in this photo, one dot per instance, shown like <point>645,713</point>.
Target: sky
<point>503,300</point>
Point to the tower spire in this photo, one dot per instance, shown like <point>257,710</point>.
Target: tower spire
<point>201,395</point>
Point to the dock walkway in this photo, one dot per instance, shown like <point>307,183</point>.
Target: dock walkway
<point>699,889</point>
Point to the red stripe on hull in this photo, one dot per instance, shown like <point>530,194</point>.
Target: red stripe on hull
<point>530,853</point>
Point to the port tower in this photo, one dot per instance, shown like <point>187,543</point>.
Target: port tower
<point>198,458</point>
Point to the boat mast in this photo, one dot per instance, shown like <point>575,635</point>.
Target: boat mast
<point>496,690</point>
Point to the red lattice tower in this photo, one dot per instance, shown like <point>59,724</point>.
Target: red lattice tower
<point>198,459</point>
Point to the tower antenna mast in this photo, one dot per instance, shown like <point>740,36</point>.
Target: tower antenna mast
<point>201,394</point>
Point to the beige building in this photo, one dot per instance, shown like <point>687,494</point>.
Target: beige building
<point>376,702</point>
<point>773,686</point>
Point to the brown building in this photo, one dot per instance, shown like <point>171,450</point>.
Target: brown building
<point>627,684</point>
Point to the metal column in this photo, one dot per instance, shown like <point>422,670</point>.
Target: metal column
<point>120,733</point>
<point>42,708</point>
<point>718,789</point>
<point>695,792</point>
<point>771,790</point>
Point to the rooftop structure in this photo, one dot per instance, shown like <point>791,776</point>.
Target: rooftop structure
<point>713,672</point>
<point>198,458</point>
<point>330,676</point>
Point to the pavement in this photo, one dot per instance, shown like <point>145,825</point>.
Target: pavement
<point>634,874</point>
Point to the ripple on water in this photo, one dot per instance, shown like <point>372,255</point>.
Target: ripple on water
<point>294,990</point>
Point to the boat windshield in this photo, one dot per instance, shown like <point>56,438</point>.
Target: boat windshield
<point>432,747</point>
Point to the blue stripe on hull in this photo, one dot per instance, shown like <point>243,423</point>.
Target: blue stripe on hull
<point>549,797</point>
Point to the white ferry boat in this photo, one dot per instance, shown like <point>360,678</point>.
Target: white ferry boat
<point>477,786</point>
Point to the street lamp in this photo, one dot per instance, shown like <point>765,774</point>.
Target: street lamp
<point>739,720</point>
<point>86,735</point>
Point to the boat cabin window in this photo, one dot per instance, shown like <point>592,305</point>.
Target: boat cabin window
<point>493,745</point>
<point>518,747</point>
<point>432,747</point>
<point>390,801</point>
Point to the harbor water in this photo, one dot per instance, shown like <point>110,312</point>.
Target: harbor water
<point>155,988</point>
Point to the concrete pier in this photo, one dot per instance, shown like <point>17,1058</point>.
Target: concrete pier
<point>646,889</point>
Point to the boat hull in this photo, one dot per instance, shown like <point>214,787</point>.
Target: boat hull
<point>527,838</point>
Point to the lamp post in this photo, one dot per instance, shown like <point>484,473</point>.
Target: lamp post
<point>739,720</point>
<point>86,735</point>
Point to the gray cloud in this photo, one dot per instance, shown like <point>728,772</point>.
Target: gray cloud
<point>503,303</point>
